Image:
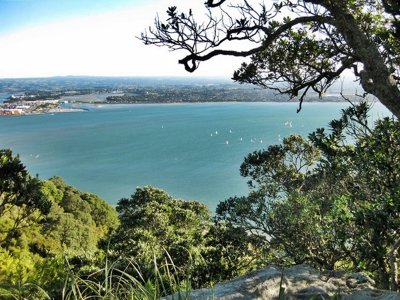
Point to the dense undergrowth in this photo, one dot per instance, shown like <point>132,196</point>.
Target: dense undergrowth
<point>329,200</point>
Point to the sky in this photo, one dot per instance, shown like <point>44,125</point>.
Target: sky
<point>43,38</point>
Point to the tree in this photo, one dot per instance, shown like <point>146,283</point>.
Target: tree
<point>295,46</point>
<point>155,226</point>
<point>230,252</point>
<point>339,207</point>
<point>41,222</point>
<point>22,201</point>
<point>77,221</point>
<point>393,7</point>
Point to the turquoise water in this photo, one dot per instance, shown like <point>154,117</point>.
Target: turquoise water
<point>193,151</point>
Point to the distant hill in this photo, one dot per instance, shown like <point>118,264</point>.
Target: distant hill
<point>95,82</point>
<point>163,89</point>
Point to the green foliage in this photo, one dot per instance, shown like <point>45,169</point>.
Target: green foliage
<point>51,191</point>
<point>17,187</point>
<point>229,252</point>
<point>22,202</point>
<point>27,275</point>
<point>332,204</point>
<point>281,167</point>
<point>77,221</point>
<point>172,245</point>
<point>329,201</point>
<point>153,224</point>
<point>40,222</point>
<point>156,227</point>
<point>114,281</point>
<point>109,282</point>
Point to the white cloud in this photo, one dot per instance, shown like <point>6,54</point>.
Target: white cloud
<point>98,45</point>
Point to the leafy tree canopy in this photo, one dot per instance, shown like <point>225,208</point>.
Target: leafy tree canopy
<point>22,201</point>
<point>41,221</point>
<point>77,221</point>
<point>331,200</point>
<point>294,46</point>
<point>155,226</point>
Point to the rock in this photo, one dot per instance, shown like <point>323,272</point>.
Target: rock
<point>300,282</point>
<point>353,280</point>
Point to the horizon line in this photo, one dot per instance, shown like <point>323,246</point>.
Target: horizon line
<point>118,76</point>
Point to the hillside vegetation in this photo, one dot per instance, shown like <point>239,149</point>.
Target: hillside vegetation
<point>329,201</point>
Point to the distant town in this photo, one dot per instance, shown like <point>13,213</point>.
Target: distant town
<point>66,94</point>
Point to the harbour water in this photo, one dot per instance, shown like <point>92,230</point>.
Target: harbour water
<point>193,151</point>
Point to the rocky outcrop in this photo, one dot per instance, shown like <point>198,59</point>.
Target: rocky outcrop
<point>300,282</point>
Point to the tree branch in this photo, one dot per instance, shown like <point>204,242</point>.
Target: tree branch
<point>194,58</point>
<point>210,3</point>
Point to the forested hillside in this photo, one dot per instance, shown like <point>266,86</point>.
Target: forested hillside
<point>329,200</point>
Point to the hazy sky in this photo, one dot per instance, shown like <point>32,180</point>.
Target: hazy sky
<point>89,37</point>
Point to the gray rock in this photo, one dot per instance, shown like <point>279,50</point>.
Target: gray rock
<point>300,282</point>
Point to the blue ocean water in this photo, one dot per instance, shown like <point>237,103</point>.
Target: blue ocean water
<point>193,151</point>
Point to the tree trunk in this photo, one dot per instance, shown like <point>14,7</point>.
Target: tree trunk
<point>376,78</point>
<point>393,266</point>
<point>383,275</point>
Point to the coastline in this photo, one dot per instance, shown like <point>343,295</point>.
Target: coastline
<point>93,105</point>
<point>65,110</point>
<point>77,94</point>
<point>18,112</point>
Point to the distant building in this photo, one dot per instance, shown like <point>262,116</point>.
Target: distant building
<point>11,112</point>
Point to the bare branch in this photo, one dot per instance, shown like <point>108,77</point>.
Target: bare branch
<point>193,58</point>
<point>327,34</point>
<point>210,3</point>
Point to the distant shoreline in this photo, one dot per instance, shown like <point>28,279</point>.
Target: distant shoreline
<point>90,105</point>
<point>70,94</point>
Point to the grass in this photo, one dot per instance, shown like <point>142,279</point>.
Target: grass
<point>113,283</point>
<point>110,283</point>
<point>121,284</point>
